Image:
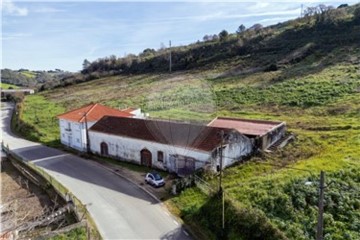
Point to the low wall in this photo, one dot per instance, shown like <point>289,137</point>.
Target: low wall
<point>79,208</point>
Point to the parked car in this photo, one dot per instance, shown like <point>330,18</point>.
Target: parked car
<point>154,179</point>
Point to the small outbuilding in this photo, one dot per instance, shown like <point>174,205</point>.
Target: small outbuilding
<point>265,133</point>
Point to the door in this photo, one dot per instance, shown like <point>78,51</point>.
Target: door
<point>104,150</point>
<point>146,158</point>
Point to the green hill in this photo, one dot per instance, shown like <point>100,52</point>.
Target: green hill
<point>305,72</point>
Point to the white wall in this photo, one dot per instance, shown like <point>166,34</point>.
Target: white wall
<point>73,134</point>
<point>129,150</point>
<point>240,147</point>
<point>138,113</point>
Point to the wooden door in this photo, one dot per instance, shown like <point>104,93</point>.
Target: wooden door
<point>104,150</point>
<point>146,158</point>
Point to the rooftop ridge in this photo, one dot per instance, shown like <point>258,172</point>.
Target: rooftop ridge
<point>77,109</point>
<point>247,120</point>
<point>88,112</point>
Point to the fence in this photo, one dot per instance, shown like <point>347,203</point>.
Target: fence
<point>204,186</point>
<point>79,208</point>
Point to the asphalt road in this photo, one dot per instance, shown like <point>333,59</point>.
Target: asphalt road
<point>119,208</point>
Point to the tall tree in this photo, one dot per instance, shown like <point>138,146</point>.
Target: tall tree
<point>240,29</point>
<point>223,35</point>
<point>86,64</point>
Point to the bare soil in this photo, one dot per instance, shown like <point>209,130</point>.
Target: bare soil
<point>20,201</point>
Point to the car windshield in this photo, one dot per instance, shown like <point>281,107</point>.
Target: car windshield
<point>157,176</point>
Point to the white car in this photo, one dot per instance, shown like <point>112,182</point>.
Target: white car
<point>154,179</point>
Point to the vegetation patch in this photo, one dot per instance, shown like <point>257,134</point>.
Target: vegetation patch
<point>8,86</point>
<point>35,119</point>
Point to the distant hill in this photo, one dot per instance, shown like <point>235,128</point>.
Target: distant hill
<point>258,48</point>
<point>33,79</point>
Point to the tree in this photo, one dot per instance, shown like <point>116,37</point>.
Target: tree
<point>256,27</point>
<point>357,15</point>
<point>343,5</point>
<point>240,29</point>
<point>207,38</point>
<point>86,64</point>
<point>223,35</point>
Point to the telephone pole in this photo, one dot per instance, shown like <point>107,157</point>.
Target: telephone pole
<point>170,56</point>
<point>220,182</point>
<point>320,225</point>
<point>87,134</point>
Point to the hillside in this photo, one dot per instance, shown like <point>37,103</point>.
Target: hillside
<point>34,79</point>
<point>305,72</point>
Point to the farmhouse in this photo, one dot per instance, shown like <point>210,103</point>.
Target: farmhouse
<point>172,146</point>
<point>264,133</point>
<point>74,124</point>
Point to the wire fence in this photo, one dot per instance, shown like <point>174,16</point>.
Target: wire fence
<point>204,186</point>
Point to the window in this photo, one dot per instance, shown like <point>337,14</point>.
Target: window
<point>160,156</point>
<point>78,140</point>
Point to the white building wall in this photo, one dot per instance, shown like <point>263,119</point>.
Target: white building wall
<point>73,134</point>
<point>129,149</point>
<point>240,147</point>
<point>138,114</point>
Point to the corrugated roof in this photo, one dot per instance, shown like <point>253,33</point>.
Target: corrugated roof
<point>245,126</point>
<point>185,135</point>
<point>93,112</point>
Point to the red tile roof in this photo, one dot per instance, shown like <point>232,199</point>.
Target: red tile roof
<point>184,135</point>
<point>93,112</point>
<point>245,126</point>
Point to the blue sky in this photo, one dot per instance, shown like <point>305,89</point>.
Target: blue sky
<point>48,35</point>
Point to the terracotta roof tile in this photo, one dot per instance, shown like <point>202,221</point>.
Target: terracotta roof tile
<point>94,112</point>
<point>185,135</point>
<point>245,126</point>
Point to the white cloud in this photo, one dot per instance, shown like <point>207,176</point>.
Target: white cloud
<point>48,10</point>
<point>9,8</point>
<point>14,36</point>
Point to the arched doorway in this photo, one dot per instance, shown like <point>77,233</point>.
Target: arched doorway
<point>104,150</point>
<point>146,158</point>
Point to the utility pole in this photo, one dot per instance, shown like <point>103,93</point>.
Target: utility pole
<point>320,225</point>
<point>220,182</point>
<point>301,13</point>
<point>170,56</point>
<point>87,134</point>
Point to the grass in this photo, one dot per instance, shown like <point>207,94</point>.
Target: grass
<point>28,74</point>
<point>8,86</point>
<point>74,234</point>
<point>37,120</point>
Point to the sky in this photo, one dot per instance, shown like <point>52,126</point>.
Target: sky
<point>48,35</point>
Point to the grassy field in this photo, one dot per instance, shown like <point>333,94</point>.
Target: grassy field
<point>36,120</point>
<point>7,86</point>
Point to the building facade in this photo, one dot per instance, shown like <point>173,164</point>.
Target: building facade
<point>74,125</point>
<point>175,147</point>
<point>264,133</point>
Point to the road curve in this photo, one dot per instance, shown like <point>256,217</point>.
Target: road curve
<point>120,209</point>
